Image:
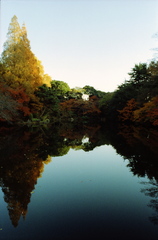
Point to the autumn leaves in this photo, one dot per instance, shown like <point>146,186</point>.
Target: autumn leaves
<point>26,92</point>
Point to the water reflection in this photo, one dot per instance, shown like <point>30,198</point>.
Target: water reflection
<point>23,154</point>
<point>151,189</point>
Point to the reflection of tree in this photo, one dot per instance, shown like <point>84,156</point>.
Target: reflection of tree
<point>95,134</point>
<point>24,152</point>
<point>152,191</point>
<point>18,182</point>
<point>20,168</point>
<point>139,146</point>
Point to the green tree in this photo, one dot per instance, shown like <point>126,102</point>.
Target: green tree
<point>119,98</point>
<point>49,99</point>
<point>51,96</point>
<point>92,91</point>
<point>75,93</point>
<point>145,79</point>
<point>153,84</point>
<point>60,88</point>
<point>104,103</point>
<point>139,74</point>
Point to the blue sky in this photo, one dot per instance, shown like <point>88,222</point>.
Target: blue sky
<point>86,42</point>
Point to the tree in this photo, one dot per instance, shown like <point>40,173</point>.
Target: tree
<point>22,98</point>
<point>139,74</point>
<point>14,103</point>
<point>148,113</point>
<point>153,84</point>
<point>75,93</point>
<point>49,99</point>
<point>21,65</point>
<point>47,80</point>
<point>104,102</point>
<point>8,107</point>
<point>126,114</point>
<point>145,79</point>
<point>92,91</point>
<point>60,88</point>
<point>79,110</point>
<point>119,98</point>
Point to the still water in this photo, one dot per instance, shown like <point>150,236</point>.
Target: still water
<point>84,194</point>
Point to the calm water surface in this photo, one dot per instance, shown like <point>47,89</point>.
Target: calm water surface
<point>90,195</point>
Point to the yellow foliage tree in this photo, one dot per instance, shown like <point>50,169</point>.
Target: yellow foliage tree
<point>22,68</point>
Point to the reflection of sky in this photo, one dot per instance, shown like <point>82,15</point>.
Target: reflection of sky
<point>91,188</point>
<point>4,218</point>
<point>87,193</point>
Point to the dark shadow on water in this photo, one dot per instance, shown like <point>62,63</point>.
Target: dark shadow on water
<point>24,152</point>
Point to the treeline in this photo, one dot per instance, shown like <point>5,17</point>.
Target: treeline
<point>29,96</point>
<point>136,100</point>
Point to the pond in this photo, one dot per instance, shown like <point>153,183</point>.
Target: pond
<point>88,188</point>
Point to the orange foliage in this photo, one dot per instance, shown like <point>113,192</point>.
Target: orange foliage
<point>93,98</point>
<point>148,113</point>
<point>127,112</point>
<point>22,98</point>
<point>80,107</point>
<point>8,106</point>
<point>19,95</point>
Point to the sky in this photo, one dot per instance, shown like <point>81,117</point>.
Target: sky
<point>86,42</point>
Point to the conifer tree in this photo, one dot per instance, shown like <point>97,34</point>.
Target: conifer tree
<point>21,65</point>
